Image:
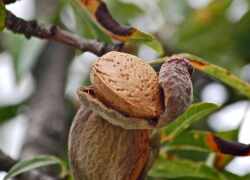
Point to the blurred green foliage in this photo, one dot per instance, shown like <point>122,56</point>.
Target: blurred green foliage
<point>8,112</point>
<point>210,33</point>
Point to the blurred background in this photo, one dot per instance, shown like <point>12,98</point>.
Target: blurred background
<point>38,80</point>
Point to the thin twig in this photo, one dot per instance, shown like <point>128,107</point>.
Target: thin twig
<point>6,162</point>
<point>53,33</point>
<point>9,1</point>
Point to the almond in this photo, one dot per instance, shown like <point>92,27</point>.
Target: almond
<point>99,150</point>
<point>127,84</point>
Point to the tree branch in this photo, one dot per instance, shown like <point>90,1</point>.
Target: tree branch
<point>54,33</point>
<point>6,162</point>
<point>9,1</point>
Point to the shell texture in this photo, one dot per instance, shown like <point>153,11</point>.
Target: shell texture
<point>127,84</point>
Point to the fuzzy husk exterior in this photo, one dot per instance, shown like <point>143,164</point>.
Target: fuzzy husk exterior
<point>175,81</point>
<point>99,150</point>
<point>88,98</point>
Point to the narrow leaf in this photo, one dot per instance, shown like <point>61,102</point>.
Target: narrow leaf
<point>39,161</point>
<point>100,12</point>
<point>195,140</point>
<point>219,73</point>
<point>91,29</point>
<point>8,112</point>
<point>120,9</point>
<point>212,70</point>
<point>193,114</point>
<point>177,168</point>
<point>147,39</point>
<point>208,142</point>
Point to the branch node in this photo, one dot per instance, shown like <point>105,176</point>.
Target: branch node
<point>54,33</point>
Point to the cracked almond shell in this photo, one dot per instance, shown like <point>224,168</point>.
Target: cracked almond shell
<point>126,83</point>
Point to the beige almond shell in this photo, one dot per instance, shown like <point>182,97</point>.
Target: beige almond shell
<point>127,84</point>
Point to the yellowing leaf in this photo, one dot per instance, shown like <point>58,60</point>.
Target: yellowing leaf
<point>214,71</point>
<point>101,14</point>
<point>219,73</point>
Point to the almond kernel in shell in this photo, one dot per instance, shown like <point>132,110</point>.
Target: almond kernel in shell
<point>127,84</point>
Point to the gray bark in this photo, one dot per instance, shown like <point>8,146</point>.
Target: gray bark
<point>48,124</point>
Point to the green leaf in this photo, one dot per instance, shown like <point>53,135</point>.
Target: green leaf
<point>147,39</point>
<point>204,26</point>
<point>90,28</point>
<point>178,168</point>
<point>193,142</point>
<point>109,25</point>
<point>182,169</point>
<point>39,161</point>
<point>219,73</point>
<point>2,16</point>
<point>230,176</point>
<point>246,177</point>
<point>203,20</point>
<point>193,114</point>
<point>196,140</point>
<point>229,135</point>
<point>214,71</point>
<point>8,112</point>
<point>70,177</point>
<point>124,12</point>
